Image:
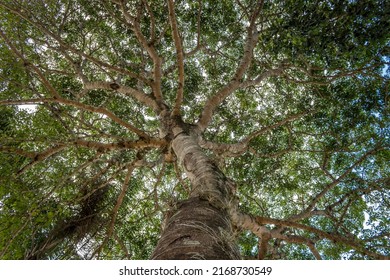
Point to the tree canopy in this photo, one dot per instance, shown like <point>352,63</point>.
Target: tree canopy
<point>289,99</point>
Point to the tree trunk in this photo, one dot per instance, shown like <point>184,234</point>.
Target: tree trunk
<point>200,227</point>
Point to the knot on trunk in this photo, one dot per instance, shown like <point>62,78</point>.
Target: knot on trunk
<point>189,162</point>
<point>114,86</point>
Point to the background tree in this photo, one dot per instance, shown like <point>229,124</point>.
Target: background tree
<point>253,129</point>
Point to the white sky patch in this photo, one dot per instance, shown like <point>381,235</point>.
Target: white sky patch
<point>31,108</point>
<point>2,200</point>
<point>149,118</point>
<point>366,218</point>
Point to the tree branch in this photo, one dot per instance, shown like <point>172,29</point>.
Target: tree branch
<point>72,49</point>
<point>133,23</point>
<point>215,100</point>
<point>180,58</point>
<point>306,212</point>
<point>42,77</point>
<point>256,226</point>
<point>39,157</point>
<point>119,201</point>
<point>356,244</point>
<point>263,246</point>
<point>82,106</point>
<point>314,250</point>
<point>241,147</point>
<point>140,144</point>
<point>138,95</point>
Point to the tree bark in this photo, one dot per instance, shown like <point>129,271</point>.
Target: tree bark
<point>200,227</point>
<point>197,230</point>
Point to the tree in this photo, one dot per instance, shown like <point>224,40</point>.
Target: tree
<point>194,129</point>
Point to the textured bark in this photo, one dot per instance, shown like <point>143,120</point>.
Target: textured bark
<point>207,180</point>
<point>200,227</point>
<point>197,230</point>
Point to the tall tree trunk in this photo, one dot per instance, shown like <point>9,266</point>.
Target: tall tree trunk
<point>200,227</point>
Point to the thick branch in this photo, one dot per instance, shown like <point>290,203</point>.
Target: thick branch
<point>356,244</point>
<point>236,81</point>
<point>248,222</point>
<point>257,226</point>
<point>138,95</point>
<point>241,147</point>
<point>263,246</point>
<point>133,23</point>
